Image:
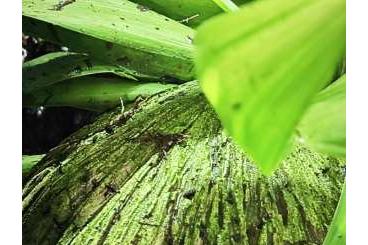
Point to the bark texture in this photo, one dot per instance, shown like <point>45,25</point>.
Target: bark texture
<point>164,172</point>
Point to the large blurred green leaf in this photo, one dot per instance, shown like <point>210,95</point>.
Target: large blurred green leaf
<point>323,127</point>
<point>92,93</point>
<point>262,74</point>
<point>55,67</point>
<point>117,32</point>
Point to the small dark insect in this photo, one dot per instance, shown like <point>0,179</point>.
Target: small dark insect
<point>61,4</point>
<point>142,8</point>
<point>189,194</point>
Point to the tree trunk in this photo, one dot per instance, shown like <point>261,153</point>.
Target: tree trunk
<point>164,172</point>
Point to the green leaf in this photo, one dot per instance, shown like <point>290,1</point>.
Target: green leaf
<point>337,230</point>
<point>59,66</point>
<point>226,5</point>
<point>188,12</point>
<point>28,161</point>
<point>261,75</point>
<point>115,32</point>
<point>92,93</point>
<point>323,127</point>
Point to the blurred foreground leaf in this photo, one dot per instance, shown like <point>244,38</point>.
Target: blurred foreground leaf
<point>261,75</point>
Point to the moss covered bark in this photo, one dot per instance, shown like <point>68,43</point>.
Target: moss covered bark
<point>164,172</point>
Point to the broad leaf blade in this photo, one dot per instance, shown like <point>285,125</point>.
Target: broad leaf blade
<point>92,93</point>
<point>323,127</point>
<point>117,32</point>
<point>59,66</point>
<point>262,75</point>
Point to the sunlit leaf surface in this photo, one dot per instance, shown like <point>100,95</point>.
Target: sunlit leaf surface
<point>118,32</point>
<point>261,66</point>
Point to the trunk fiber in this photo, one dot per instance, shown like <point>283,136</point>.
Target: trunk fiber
<point>164,172</point>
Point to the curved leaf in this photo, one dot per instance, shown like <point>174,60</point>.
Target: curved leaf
<point>58,66</point>
<point>115,32</point>
<point>323,127</point>
<point>261,75</point>
<point>92,93</point>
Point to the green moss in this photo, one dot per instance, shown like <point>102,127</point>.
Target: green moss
<point>168,174</point>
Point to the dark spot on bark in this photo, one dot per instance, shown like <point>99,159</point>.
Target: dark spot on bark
<point>189,194</point>
<point>109,45</point>
<point>109,129</point>
<point>110,190</point>
<point>167,19</point>
<point>46,209</point>
<point>282,207</point>
<point>236,237</point>
<point>122,18</point>
<point>203,234</point>
<point>142,8</point>
<point>230,198</point>
<point>157,28</point>
<point>85,176</point>
<point>325,170</point>
<point>220,217</point>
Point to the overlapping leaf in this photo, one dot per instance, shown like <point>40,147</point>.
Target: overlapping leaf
<point>59,66</point>
<point>92,93</point>
<point>261,66</point>
<point>116,32</point>
<point>323,127</point>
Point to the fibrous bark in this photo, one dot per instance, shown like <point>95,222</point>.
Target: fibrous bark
<point>165,172</point>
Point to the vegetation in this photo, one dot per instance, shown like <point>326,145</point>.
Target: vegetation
<point>260,162</point>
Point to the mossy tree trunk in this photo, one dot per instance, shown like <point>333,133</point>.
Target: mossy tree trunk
<point>164,172</point>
